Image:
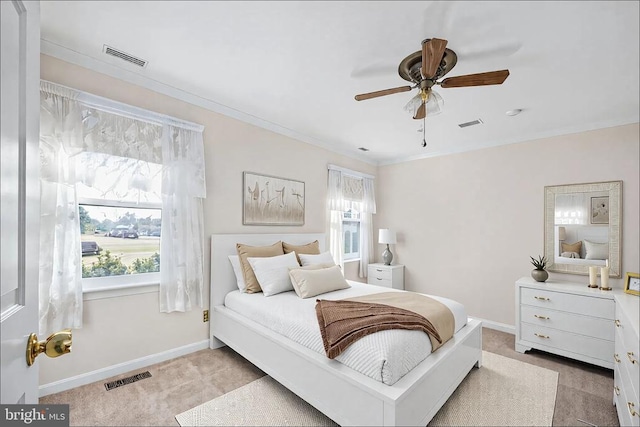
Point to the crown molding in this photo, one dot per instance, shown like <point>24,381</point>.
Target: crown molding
<point>63,53</point>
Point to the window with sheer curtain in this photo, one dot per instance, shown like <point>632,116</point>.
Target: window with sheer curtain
<point>121,189</point>
<point>351,203</point>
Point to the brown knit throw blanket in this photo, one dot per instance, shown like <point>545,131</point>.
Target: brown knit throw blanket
<point>344,321</point>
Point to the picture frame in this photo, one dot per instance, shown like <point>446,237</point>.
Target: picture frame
<point>272,200</point>
<point>599,210</point>
<point>632,284</point>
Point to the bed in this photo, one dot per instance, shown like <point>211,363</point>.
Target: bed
<point>343,394</point>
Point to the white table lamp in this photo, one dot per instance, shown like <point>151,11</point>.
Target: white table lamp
<point>386,236</point>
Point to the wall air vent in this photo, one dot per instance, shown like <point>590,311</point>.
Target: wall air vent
<point>124,56</point>
<point>471,123</point>
<point>363,149</point>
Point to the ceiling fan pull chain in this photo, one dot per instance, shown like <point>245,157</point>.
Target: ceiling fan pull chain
<point>424,127</point>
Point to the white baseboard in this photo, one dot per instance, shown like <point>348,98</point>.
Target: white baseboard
<point>502,327</point>
<point>120,368</point>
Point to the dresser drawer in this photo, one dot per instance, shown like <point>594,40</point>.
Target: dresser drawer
<point>627,334</point>
<point>629,371</point>
<point>622,400</point>
<point>379,273</point>
<point>584,325</point>
<point>387,283</point>
<point>579,304</point>
<point>567,341</point>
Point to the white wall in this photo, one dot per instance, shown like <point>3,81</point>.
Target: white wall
<point>121,329</point>
<point>467,223</point>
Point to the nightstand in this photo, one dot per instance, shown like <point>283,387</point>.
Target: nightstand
<point>390,276</point>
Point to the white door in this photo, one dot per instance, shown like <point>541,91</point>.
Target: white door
<point>20,201</point>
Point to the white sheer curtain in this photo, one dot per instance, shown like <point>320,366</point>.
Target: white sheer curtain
<point>182,245</point>
<point>367,209</point>
<point>571,208</point>
<point>350,191</point>
<point>336,205</point>
<point>83,137</point>
<point>60,271</point>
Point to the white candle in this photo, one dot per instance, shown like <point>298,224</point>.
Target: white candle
<point>593,276</point>
<point>604,277</point>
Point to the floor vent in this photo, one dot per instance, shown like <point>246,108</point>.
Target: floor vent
<point>471,123</point>
<point>124,381</point>
<point>124,56</point>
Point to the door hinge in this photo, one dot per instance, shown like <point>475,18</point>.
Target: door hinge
<point>205,315</point>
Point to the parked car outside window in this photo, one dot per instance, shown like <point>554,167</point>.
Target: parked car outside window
<point>123,231</point>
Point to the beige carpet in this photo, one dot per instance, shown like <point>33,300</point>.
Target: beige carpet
<point>504,392</point>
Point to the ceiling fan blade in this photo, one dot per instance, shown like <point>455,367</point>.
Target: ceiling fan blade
<point>432,52</point>
<point>378,93</point>
<point>479,79</point>
<point>421,112</point>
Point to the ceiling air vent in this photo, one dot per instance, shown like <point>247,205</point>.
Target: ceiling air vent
<point>471,123</point>
<point>363,149</point>
<point>124,56</point>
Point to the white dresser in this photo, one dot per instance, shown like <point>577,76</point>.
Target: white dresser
<point>390,276</point>
<point>627,364</point>
<point>566,318</point>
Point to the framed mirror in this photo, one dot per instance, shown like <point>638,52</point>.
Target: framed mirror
<point>582,227</point>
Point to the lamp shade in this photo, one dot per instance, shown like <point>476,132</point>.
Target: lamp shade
<point>562,233</point>
<point>386,236</point>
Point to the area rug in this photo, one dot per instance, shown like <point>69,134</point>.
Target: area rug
<point>504,392</point>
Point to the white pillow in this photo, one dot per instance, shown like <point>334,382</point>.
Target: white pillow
<point>273,272</point>
<point>237,270</point>
<point>596,250</point>
<point>309,283</point>
<point>323,258</point>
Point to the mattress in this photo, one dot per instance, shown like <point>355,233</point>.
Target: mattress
<point>385,356</point>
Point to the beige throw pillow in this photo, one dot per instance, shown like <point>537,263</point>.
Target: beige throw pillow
<point>309,282</point>
<point>572,247</point>
<point>246,251</point>
<point>312,248</point>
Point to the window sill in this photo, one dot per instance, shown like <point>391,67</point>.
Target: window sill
<point>114,291</point>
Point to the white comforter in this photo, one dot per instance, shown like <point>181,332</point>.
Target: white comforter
<point>385,356</point>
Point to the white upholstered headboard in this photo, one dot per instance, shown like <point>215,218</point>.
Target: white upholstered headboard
<point>223,279</point>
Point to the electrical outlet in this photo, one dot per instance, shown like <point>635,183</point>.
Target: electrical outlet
<point>205,315</point>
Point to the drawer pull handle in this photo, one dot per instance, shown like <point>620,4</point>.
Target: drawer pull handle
<point>630,357</point>
<point>616,358</point>
<point>617,322</point>
<point>377,278</point>
<point>541,317</point>
<point>542,298</point>
<point>632,410</point>
<point>541,336</point>
<point>616,390</point>
<point>378,270</point>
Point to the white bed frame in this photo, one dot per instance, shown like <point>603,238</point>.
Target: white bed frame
<point>343,394</point>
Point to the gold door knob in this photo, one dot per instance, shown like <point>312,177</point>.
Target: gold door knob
<point>57,344</point>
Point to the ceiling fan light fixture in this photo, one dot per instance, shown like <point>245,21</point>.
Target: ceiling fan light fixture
<point>434,103</point>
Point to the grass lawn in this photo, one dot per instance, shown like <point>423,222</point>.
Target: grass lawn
<point>127,249</point>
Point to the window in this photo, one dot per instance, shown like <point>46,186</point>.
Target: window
<point>351,234</point>
<point>120,208</point>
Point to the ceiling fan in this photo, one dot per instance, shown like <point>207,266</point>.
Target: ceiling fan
<point>424,68</point>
